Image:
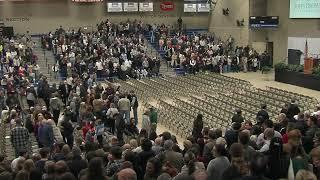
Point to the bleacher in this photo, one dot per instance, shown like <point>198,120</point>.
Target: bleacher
<point>180,99</point>
<point>162,52</point>
<point>1,28</point>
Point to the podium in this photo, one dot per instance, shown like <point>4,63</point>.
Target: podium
<point>309,64</point>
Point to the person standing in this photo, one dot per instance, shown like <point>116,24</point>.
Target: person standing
<point>134,105</point>
<point>180,24</point>
<point>153,118</point>
<point>245,64</point>
<point>55,107</point>
<point>293,110</point>
<point>197,127</point>
<point>146,124</point>
<point>120,125</point>
<point>45,134</point>
<point>67,132</point>
<point>263,112</point>
<point>64,90</point>
<point>238,117</point>
<point>19,137</point>
<point>124,108</point>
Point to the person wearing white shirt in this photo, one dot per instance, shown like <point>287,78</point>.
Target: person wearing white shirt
<point>72,57</point>
<point>145,63</point>
<point>255,64</point>
<point>16,61</point>
<point>22,156</point>
<point>99,66</point>
<point>69,81</point>
<point>202,42</point>
<point>182,59</point>
<point>269,134</point>
<point>196,38</point>
<point>193,63</point>
<point>14,53</point>
<point>124,56</point>
<point>229,61</point>
<point>144,73</point>
<point>262,137</point>
<point>127,63</point>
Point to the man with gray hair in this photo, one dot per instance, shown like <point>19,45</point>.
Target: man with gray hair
<point>174,158</point>
<point>127,174</point>
<point>157,148</point>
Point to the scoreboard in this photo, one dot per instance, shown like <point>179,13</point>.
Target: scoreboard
<point>87,1</point>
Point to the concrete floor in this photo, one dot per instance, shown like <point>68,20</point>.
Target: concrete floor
<point>263,80</point>
<point>258,80</point>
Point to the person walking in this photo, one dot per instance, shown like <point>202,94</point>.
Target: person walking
<point>19,137</point>
<point>197,127</point>
<point>124,108</point>
<point>134,105</point>
<point>55,107</point>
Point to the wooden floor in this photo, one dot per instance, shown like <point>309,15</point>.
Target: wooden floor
<point>258,80</point>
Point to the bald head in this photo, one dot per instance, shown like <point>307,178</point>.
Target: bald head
<point>127,174</point>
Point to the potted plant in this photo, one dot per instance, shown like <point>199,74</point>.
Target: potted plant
<point>316,71</point>
<point>280,67</point>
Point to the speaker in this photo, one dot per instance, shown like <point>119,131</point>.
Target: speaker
<point>7,32</point>
<point>294,56</point>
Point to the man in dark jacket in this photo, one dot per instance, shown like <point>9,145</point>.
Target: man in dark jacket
<point>238,117</point>
<point>134,105</point>
<point>76,164</point>
<point>120,126</point>
<point>64,90</point>
<point>67,132</point>
<point>263,112</point>
<point>293,110</point>
<point>45,134</point>
<point>231,135</point>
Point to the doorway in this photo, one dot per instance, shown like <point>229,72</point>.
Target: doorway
<point>269,49</point>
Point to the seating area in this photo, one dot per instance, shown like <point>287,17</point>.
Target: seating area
<point>216,97</point>
<point>162,52</point>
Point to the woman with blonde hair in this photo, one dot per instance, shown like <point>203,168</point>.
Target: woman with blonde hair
<point>82,110</point>
<point>305,175</point>
<point>133,144</point>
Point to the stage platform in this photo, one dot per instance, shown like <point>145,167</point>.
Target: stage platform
<point>263,80</point>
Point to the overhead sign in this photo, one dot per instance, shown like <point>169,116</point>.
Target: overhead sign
<point>115,7</point>
<point>167,6</point>
<point>130,7</point>
<point>146,7</point>
<point>190,8</point>
<point>204,7</point>
<point>87,0</point>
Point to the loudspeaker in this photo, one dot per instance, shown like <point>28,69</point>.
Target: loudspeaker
<point>7,32</point>
<point>294,56</point>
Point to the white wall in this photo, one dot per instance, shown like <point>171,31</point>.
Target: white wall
<point>43,17</point>
<point>223,26</point>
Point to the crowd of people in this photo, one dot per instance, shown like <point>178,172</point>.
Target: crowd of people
<point>204,52</point>
<point>92,134</point>
<point>18,69</point>
<point>111,51</point>
<point>88,130</point>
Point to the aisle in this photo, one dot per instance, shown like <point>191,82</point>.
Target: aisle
<point>45,60</point>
